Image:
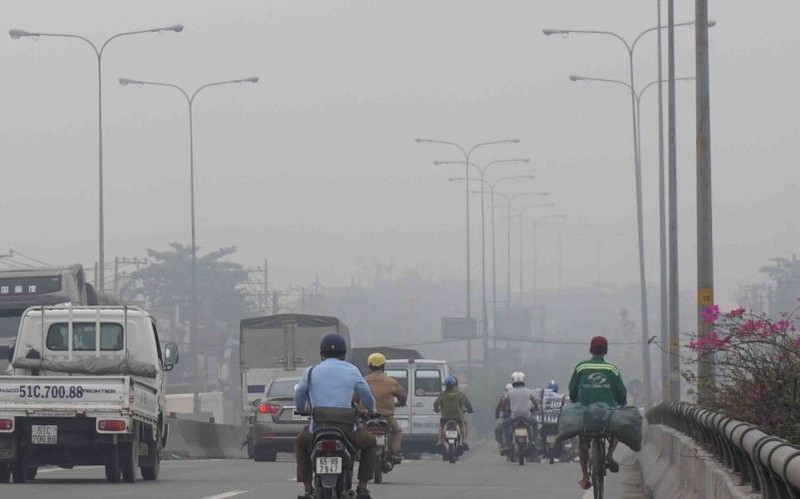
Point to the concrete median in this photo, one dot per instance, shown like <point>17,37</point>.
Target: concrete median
<point>203,440</point>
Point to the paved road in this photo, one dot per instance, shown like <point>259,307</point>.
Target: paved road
<point>480,475</point>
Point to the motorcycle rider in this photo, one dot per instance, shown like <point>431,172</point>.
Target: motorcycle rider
<point>385,389</point>
<point>501,413</point>
<point>335,382</point>
<point>521,403</point>
<point>452,404</point>
<point>596,380</point>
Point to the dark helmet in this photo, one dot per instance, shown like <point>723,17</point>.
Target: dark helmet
<point>332,345</point>
<point>450,382</point>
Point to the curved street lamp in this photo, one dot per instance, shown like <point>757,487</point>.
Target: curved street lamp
<point>190,102</point>
<point>16,34</point>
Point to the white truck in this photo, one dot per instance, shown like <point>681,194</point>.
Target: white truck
<point>85,387</point>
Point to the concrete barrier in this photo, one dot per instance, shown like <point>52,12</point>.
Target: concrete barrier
<point>674,466</point>
<point>203,440</point>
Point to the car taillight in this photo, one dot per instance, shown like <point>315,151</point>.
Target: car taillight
<point>268,408</point>
<point>111,425</point>
<point>6,424</point>
<point>328,446</point>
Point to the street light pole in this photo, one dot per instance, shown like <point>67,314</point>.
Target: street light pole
<point>482,178</point>
<point>521,214</point>
<point>190,104</point>
<point>509,204</point>
<point>630,49</point>
<point>17,34</point>
<point>467,153</point>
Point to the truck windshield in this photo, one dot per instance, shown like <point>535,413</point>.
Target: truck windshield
<point>83,336</point>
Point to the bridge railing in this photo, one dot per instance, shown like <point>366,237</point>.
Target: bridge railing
<point>770,465</point>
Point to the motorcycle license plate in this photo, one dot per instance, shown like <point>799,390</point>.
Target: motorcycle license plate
<point>551,439</point>
<point>380,439</point>
<point>44,434</point>
<point>329,465</point>
<point>451,434</point>
<point>521,432</point>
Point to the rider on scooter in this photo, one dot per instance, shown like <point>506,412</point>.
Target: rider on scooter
<point>334,384</point>
<point>521,403</point>
<point>385,389</point>
<point>452,406</point>
<point>501,413</point>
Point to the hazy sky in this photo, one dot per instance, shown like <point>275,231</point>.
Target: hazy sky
<point>316,166</point>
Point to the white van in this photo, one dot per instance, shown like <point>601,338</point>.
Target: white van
<point>423,379</point>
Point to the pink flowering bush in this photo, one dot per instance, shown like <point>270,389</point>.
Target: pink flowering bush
<point>757,368</point>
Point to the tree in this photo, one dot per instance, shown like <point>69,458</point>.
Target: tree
<point>166,282</point>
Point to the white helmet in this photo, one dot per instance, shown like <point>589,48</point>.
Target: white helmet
<point>518,377</point>
<point>509,387</point>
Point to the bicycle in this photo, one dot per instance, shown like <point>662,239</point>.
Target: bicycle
<point>597,462</point>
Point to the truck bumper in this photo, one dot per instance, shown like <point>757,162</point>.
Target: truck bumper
<point>79,443</point>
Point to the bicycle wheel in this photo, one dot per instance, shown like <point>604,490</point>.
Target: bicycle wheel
<point>598,461</point>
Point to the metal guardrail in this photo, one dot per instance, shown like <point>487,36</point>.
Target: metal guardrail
<point>770,465</point>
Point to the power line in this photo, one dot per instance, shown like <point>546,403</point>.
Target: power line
<point>15,252</point>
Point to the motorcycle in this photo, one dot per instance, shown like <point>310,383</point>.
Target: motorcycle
<point>333,455</point>
<point>382,432</point>
<point>552,447</point>
<point>452,448</point>
<point>522,443</point>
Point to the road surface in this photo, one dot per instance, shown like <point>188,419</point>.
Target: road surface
<point>483,474</point>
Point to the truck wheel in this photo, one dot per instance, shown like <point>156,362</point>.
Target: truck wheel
<point>112,473</point>
<point>128,460</point>
<point>151,472</point>
<point>5,473</point>
<point>19,470</point>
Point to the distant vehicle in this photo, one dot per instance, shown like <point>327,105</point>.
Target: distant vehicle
<point>278,346</point>
<point>276,426</point>
<point>87,388</point>
<point>423,379</point>
<point>23,288</point>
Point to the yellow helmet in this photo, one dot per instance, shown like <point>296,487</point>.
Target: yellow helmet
<point>376,360</point>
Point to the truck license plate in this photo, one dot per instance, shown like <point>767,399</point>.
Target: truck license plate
<point>329,465</point>
<point>44,434</point>
<point>451,434</point>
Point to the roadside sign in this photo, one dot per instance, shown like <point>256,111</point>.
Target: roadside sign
<point>459,328</point>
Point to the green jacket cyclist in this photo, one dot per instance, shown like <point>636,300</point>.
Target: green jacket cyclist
<point>593,381</point>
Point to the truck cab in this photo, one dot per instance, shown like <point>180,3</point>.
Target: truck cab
<point>423,379</point>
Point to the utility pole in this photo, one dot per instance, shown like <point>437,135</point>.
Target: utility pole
<point>266,285</point>
<point>116,276</point>
<point>674,311</point>
<point>705,240</point>
<point>275,303</point>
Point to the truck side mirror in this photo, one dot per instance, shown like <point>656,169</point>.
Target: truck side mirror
<point>171,356</point>
<point>11,353</point>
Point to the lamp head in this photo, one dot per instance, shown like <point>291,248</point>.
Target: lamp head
<point>252,79</point>
<point>550,31</point>
<point>576,78</point>
<point>16,34</point>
